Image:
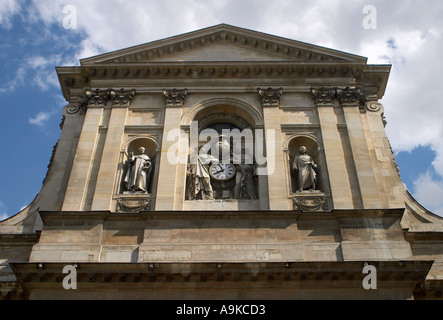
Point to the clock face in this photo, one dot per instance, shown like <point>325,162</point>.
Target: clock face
<point>222,171</point>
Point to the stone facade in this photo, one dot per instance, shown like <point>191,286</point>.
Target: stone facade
<point>238,236</point>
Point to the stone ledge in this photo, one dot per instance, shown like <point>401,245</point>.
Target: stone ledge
<point>408,270</point>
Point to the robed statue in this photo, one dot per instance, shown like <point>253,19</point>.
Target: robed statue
<point>199,180</point>
<point>245,180</point>
<point>304,169</point>
<point>138,175</point>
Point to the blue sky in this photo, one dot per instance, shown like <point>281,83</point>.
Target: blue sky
<point>33,41</point>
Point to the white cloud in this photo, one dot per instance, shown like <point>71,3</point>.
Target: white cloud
<point>428,192</point>
<point>18,80</point>
<point>36,62</point>
<point>39,69</point>
<point>8,8</point>
<point>40,119</point>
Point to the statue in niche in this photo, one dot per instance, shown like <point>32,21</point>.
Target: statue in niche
<point>304,169</point>
<point>199,180</point>
<point>138,175</point>
<point>245,184</point>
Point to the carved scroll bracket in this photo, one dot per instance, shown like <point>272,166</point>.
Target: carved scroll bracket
<point>133,204</point>
<point>310,201</point>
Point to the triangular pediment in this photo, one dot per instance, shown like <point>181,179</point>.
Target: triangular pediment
<point>223,43</point>
<point>222,52</point>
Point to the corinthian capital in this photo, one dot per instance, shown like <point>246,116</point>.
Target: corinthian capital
<point>350,96</point>
<point>324,96</point>
<point>94,97</point>
<point>270,97</point>
<point>122,97</point>
<point>175,97</point>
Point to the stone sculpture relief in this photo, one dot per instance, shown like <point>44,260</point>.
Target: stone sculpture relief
<point>245,184</point>
<point>304,170</point>
<point>208,178</point>
<point>137,178</point>
<point>199,180</point>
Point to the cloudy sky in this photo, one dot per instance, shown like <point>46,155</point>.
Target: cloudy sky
<point>36,36</point>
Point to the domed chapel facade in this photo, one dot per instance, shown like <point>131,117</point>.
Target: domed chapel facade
<point>223,163</point>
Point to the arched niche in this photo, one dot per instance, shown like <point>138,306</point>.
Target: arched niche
<point>149,144</point>
<point>205,110</point>
<point>219,115</point>
<point>132,146</point>
<point>294,144</point>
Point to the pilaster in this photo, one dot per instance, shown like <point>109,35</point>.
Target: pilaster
<point>81,169</point>
<point>106,177</point>
<point>335,159</point>
<point>60,167</point>
<point>350,100</point>
<point>277,192</point>
<point>171,187</point>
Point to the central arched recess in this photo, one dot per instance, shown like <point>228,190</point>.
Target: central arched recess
<point>209,108</point>
<point>209,180</point>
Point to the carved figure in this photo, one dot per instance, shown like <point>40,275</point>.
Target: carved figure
<point>304,168</point>
<point>245,187</point>
<point>200,187</point>
<point>139,172</point>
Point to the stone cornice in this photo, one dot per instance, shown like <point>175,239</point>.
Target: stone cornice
<point>249,39</point>
<point>19,239</point>
<point>217,71</point>
<point>186,215</point>
<point>143,274</point>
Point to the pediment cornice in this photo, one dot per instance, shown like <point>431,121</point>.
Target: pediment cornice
<point>281,59</point>
<point>267,47</point>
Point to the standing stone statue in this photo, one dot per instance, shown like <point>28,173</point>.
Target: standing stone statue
<point>303,167</point>
<point>200,187</point>
<point>139,172</point>
<point>245,184</point>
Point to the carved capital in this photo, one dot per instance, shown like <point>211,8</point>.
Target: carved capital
<point>350,96</point>
<point>122,97</point>
<point>100,97</point>
<point>270,97</point>
<point>324,96</point>
<point>175,97</point>
<point>94,97</point>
